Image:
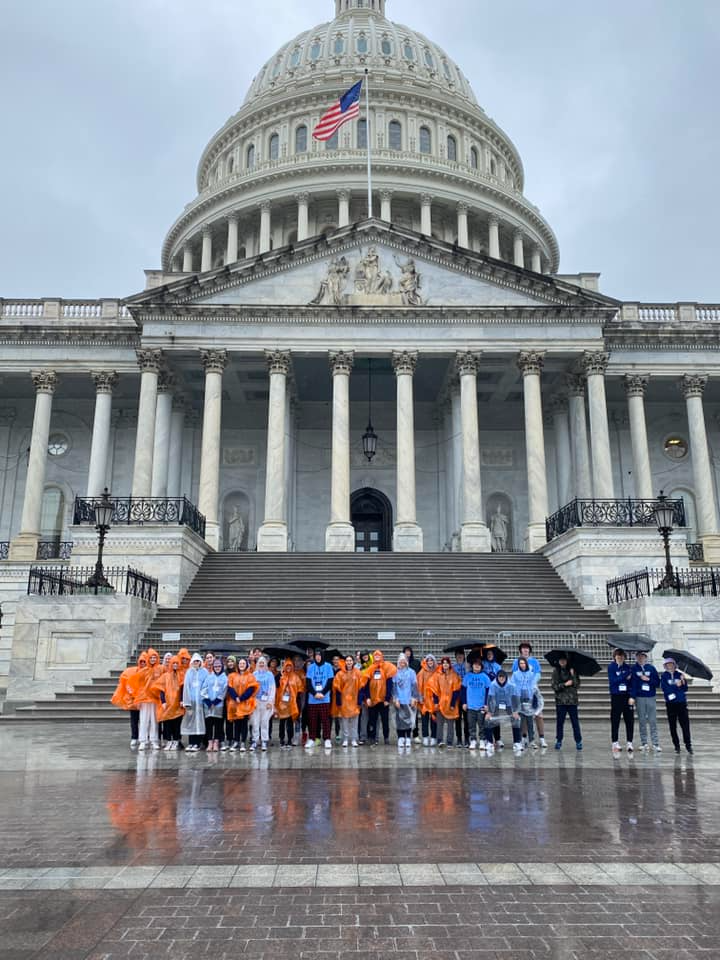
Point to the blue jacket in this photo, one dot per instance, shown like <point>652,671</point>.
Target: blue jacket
<point>319,679</point>
<point>492,668</point>
<point>475,690</point>
<point>645,688</point>
<point>533,663</point>
<point>460,669</point>
<point>404,686</point>
<point>502,699</point>
<point>621,679</point>
<point>266,693</point>
<point>671,692</point>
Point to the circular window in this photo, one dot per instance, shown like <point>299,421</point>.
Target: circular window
<point>58,445</point>
<point>675,448</point>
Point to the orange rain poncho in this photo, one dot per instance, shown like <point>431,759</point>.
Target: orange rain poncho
<point>184,658</point>
<point>289,685</point>
<point>444,689</point>
<point>241,683</point>
<point>141,682</point>
<point>167,688</point>
<point>346,688</point>
<point>124,695</point>
<point>423,678</point>
<point>377,676</point>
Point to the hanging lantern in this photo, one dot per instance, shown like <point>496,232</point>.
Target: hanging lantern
<point>369,439</point>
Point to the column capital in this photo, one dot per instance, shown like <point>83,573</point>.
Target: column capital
<point>213,361</point>
<point>575,383</point>
<point>558,405</point>
<point>518,234</point>
<point>693,385</point>
<point>233,218</point>
<point>149,360</point>
<point>594,363</point>
<point>44,381</point>
<point>341,362</point>
<point>467,362</point>
<point>179,402</point>
<point>166,382</point>
<point>531,362</point>
<point>386,194</point>
<point>426,199</point>
<point>265,205</point>
<point>404,361</point>
<point>462,207</point>
<point>493,221</point>
<point>278,361</point>
<point>206,231</point>
<point>343,194</point>
<point>105,380</point>
<point>302,198</point>
<point>635,384</point>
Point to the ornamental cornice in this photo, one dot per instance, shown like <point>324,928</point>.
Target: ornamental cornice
<point>214,361</point>
<point>531,362</point>
<point>341,362</point>
<point>44,381</point>
<point>49,336</point>
<point>692,385</point>
<point>467,362</point>
<point>105,380</point>
<point>278,361</point>
<point>635,384</point>
<point>404,362</point>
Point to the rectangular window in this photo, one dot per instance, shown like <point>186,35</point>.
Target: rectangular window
<point>362,134</point>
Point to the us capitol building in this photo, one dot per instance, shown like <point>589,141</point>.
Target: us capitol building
<point>283,322</point>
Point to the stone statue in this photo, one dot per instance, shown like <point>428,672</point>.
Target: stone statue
<point>332,287</point>
<point>236,531</point>
<point>410,283</point>
<point>499,528</point>
<point>368,277</point>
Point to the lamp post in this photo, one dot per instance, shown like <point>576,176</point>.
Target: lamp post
<point>103,511</point>
<point>369,439</point>
<point>664,512</point>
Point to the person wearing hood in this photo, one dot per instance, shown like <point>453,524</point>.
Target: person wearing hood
<point>230,667</point>
<point>674,687</point>
<point>319,677</point>
<point>364,666</point>
<point>565,684</point>
<point>475,686</point>
<point>184,657</point>
<point>348,687</point>
<point>287,709</point>
<point>405,696</point>
<point>428,668</point>
<point>124,697</point>
<point>461,668</point>
<point>525,651</point>
<point>490,665</point>
<point>415,666</point>
<point>169,706</point>
<point>525,681</point>
<point>264,706</point>
<point>214,692</point>
<point>379,691</point>
<point>193,721</point>
<point>145,700</point>
<point>620,681</point>
<point>445,687</point>
<point>645,684</point>
<point>241,691</point>
<point>503,704</point>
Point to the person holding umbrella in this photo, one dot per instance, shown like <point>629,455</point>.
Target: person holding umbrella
<point>645,684</point>
<point>565,684</point>
<point>674,687</point>
<point>620,680</point>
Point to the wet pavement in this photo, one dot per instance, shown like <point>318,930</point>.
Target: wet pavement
<point>108,853</point>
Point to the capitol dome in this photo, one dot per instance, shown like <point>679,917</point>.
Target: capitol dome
<point>441,166</point>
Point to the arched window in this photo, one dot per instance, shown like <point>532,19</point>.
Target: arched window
<point>332,143</point>
<point>425,140</point>
<point>429,61</point>
<point>250,157</point>
<point>315,50</point>
<point>452,148</point>
<point>386,46</point>
<point>408,51</point>
<point>295,57</point>
<point>301,140</point>
<point>474,158</point>
<point>395,135</point>
<point>362,44</point>
<point>274,146</point>
<point>362,134</point>
<point>339,46</point>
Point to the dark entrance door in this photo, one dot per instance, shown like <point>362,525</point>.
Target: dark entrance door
<point>371,514</point>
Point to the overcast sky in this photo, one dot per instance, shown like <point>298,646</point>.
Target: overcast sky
<point>106,106</point>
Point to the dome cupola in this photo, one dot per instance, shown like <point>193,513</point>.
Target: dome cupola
<point>350,6</point>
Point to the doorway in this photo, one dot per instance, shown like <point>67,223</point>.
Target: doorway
<point>371,515</point>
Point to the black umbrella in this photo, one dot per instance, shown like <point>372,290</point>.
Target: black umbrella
<point>631,642</point>
<point>693,666</point>
<point>333,652</point>
<point>581,661</point>
<point>283,650</point>
<point>466,644</point>
<point>499,655</point>
<point>310,642</point>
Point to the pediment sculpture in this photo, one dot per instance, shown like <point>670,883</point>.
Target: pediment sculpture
<point>373,284</point>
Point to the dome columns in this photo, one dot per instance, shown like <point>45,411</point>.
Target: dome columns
<point>206,256</point>
<point>462,226</point>
<point>494,237</point>
<point>343,197</point>
<point>303,204</point>
<point>265,226</point>
<point>426,214</point>
<point>536,260</point>
<point>231,254</point>
<point>518,249</point>
<point>386,205</point>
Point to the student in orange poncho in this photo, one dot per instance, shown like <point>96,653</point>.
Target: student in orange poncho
<point>145,700</point>
<point>428,668</point>
<point>169,707</point>
<point>445,688</point>
<point>184,658</point>
<point>379,682</point>
<point>287,708</point>
<point>241,690</point>
<point>347,694</point>
<point>124,697</point>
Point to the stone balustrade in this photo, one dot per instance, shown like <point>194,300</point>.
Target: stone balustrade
<point>104,309</point>
<point>671,312</point>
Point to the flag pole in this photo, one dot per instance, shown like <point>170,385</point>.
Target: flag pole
<point>369,141</point>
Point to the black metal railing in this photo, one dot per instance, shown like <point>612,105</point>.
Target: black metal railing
<point>4,549</point>
<point>608,513</point>
<point>139,510</point>
<point>54,550</point>
<point>686,582</point>
<point>695,552</point>
<point>59,581</point>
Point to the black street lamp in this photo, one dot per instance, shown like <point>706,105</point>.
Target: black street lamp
<point>103,511</point>
<point>664,512</point>
<point>369,439</point>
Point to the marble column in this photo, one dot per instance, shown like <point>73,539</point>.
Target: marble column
<point>494,237</point>
<point>149,362</point>
<point>635,391</point>
<point>462,226</point>
<point>290,465</point>
<point>272,535</point>
<point>303,202</point>
<point>536,260</point>
<point>340,533</point>
<point>518,249</point>
<point>24,545</point>
<point>343,197</point>
<point>231,252</point>
<point>595,365</point>
<point>474,533</point>
<point>457,456</point>
<point>206,257</point>
<point>563,459</point>
<point>177,430</point>
<point>693,387</point>
<point>187,258</point>
<point>265,226</point>
<point>105,383</point>
<point>161,443</point>
<point>581,481</point>
<point>407,536</point>
<point>426,214</point>
<point>530,363</point>
<point>386,205</point>
<point>7,476</point>
<point>214,362</point>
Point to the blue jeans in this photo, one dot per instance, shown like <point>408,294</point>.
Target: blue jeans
<point>567,710</point>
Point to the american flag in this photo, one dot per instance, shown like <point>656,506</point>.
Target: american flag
<point>346,108</point>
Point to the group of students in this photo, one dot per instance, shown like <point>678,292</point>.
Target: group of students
<point>231,703</point>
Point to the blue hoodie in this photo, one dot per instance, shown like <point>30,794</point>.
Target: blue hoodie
<point>671,692</point>
<point>475,689</point>
<point>266,693</point>
<point>502,699</point>
<point>621,679</point>
<point>404,686</point>
<point>533,664</point>
<point>319,678</point>
<point>645,688</point>
<point>492,668</point>
<point>213,692</point>
<point>525,685</point>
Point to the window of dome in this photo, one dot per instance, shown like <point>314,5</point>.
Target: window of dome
<point>675,448</point>
<point>332,143</point>
<point>295,57</point>
<point>446,70</point>
<point>493,166</point>
<point>452,148</point>
<point>362,44</point>
<point>315,50</point>
<point>339,46</point>
<point>408,51</point>
<point>231,164</point>
<point>274,146</point>
<point>277,68</point>
<point>425,140</point>
<point>386,46</point>
<point>362,134</point>
<point>250,157</point>
<point>395,135</point>
<point>429,59</point>
<point>474,158</point>
<point>301,140</point>
<point>58,444</point>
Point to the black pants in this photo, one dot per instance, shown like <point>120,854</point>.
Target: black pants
<point>620,707</point>
<point>240,729</point>
<point>678,713</point>
<point>134,724</point>
<point>462,731</point>
<point>196,740</point>
<point>492,733</point>
<point>287,728</point>
<point>213,728</point>
<point>429,726</point>
<point>383,712</point>
<point>171,729</point>
<point>567,710</point>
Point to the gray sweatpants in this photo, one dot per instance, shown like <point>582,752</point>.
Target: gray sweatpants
<point>646,712</point>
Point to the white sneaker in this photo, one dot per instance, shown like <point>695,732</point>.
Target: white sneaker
<point>482,746</point>
<point>418,739</point>
<point>156,745</point>
<point>534,745</point>
<point>426,741</point>
<point>657,748</point>
<point>253,747</point>
<point>134,743</point>
<point>354,743</point>
<point>473,744</point>
<point>616,748</point>
<point>644,748</point>
<point>233,746</point>
<point>242,748</point>
<point>401,742</point>
<point>630,748</point>
<point>433,742</point>
<point>264,746</point>
<point>517,748</point>
<point>543,743</point>
<point>224,745</point>
<point>143,746</point>
<point>490,750</point>
<point>167,746</point>
<point>345,743</point>
<point>328,744</point>
<point>309,744</point>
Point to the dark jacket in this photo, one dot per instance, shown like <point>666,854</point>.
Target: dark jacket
<point>567,696</point>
